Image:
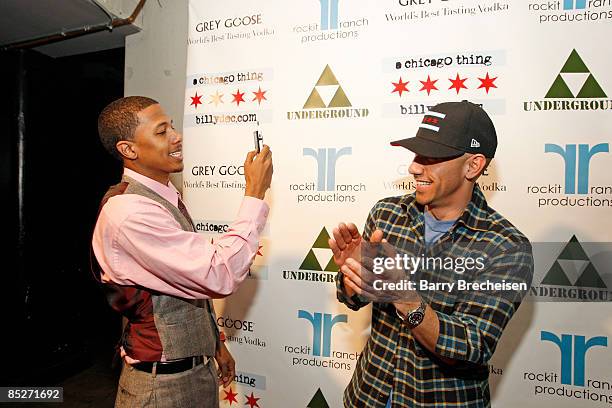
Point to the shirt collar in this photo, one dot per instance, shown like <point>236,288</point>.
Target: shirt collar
<point>169,192</point>
<point>472,217</point>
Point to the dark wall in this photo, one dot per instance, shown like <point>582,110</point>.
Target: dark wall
<point>11,287</point>
<point>57,315</point>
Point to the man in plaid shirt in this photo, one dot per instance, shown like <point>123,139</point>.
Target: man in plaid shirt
<point>431,348</point>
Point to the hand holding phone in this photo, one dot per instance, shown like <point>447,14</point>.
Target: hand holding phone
<point>258,169</point>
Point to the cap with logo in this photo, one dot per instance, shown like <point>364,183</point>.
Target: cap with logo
<point>452,128</point>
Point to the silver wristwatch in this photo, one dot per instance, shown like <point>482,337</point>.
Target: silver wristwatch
<point>416,316</point>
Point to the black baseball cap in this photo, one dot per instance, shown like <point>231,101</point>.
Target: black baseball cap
<point>452,128</point>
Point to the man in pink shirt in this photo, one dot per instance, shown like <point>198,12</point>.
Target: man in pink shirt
<point>158,272</point>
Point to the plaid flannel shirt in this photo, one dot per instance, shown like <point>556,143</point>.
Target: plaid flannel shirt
<point>470,324</point>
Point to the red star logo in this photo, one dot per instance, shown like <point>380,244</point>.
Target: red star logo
<point>230,396</point>
<point>196,100</point>
<point>400,87</point>
<point>260,96</point>
<point>259,251</point>
<point>252,401</point>
<point>238,97</point>
<point>457,83</point>
<point>487,83</point>
<point>429,85</point>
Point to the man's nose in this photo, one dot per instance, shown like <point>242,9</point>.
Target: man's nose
<point>177,137</point>
<point>415,168</point>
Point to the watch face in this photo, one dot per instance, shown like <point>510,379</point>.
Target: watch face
<point>415,317</point>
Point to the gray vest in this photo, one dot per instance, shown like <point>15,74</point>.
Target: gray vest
<point>186,327</point>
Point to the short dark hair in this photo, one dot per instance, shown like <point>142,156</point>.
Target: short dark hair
<point>118,121</point>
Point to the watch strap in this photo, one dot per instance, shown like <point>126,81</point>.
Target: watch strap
<point>421,308</point>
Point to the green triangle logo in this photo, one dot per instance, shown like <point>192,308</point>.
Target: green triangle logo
<point>573,251</point>
<point>590,278</point>
<point>311,263</point>
<point>559,89</point>
<point>331,266</point>
<point>591,89</point>
<point>575,65</point>
<point>556,276</point>
<point>318,401</point>
<point>322,240</point>
<point>339,100</point>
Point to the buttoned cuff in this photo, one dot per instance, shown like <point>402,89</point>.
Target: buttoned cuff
<point>353,302</point>
<point>452,340</point>
<point>255,210</point>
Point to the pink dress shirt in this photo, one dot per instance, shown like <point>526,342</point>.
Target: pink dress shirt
<point>138,242</point>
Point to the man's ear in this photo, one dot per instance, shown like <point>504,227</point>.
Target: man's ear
<point>126,149</point>
<point>476,165</point>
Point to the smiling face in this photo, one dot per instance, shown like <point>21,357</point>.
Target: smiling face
<point>157,148</point>
<point>443,185</point>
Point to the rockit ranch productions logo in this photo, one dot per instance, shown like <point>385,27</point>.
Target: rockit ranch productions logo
<point>248,389</point>
<point>319,354</point>
<point>332,25</point>
<point>575,190</point>
<point>242,27</point>
<point>572,276</point>
<point>417,83</point>
<point>235,98</point>
<point>215,176</point>
<point>324,188</point>
<point>575,88</point>
<point>571,11</point>
<point>318,264</point>
<point>572,382</point>
<point>407,11</point>
<point>328,100</point>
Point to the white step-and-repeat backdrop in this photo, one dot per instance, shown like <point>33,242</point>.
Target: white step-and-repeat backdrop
<point>330,83</point>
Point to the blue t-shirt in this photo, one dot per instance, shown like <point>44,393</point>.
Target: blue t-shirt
<point>435,228</point>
